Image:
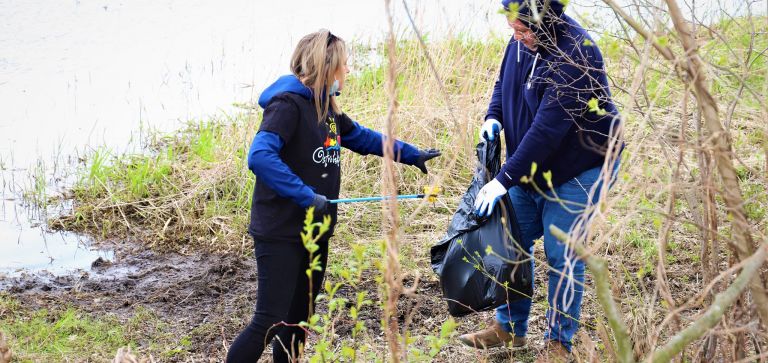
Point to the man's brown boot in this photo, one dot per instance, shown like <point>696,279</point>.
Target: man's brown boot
<point>554,352</point>
<point>492,337</point>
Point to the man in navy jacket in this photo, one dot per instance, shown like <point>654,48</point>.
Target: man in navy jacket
<point>553,102</point>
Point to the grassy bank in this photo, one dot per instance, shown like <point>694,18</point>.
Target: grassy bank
<point>67,333</point>
<point>192,189</point>
<point>190,192</point>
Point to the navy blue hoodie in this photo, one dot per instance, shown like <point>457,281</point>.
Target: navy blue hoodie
<point>295,157</point>
<point>541,98</point>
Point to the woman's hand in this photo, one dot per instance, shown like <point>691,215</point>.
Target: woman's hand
<point>320,203</point>
<point>425,155</point>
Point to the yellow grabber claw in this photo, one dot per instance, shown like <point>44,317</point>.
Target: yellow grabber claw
<point>431,192</point>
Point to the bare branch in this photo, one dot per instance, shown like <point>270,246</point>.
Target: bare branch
<point>645,33</point>
<point>721,148</point>
<point>603,288</point>
<point>715,312</point>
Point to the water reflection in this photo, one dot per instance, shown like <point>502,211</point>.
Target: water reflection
<point>27,246</point>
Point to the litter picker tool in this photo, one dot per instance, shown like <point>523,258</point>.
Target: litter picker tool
<point>430,193</point>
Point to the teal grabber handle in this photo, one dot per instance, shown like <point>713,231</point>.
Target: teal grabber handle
<point>375,199</point>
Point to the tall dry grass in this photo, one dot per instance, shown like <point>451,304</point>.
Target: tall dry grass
<point>662,228</point>
<point>192,189</point>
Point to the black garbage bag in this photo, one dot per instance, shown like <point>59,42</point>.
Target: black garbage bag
<point>471,278</point>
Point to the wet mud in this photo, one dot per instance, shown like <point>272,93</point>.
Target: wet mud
<point>207,299</point>
<point>204,297</point>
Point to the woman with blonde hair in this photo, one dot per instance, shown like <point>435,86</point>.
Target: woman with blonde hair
<point>296,157</point>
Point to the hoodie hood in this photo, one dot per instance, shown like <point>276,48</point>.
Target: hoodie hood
<point>287,83</point>
<point>546,21</point>
<point>553,8</point>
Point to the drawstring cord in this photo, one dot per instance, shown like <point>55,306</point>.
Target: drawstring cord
<point>530,77</point>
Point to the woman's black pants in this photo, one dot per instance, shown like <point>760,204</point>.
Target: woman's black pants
<point>282,301</point>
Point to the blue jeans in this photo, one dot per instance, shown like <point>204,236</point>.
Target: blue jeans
<point>534,215</point>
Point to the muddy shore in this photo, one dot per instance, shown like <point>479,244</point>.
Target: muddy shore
<point>205,297</point>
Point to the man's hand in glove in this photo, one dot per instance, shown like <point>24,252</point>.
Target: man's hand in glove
<point>490,129</point>
<point>487,196</point>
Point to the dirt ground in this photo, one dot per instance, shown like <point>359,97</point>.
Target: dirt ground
<point>209,299</point>
<point>202,296</point>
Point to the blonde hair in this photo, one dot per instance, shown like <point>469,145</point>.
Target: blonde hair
<point>315,60</point>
